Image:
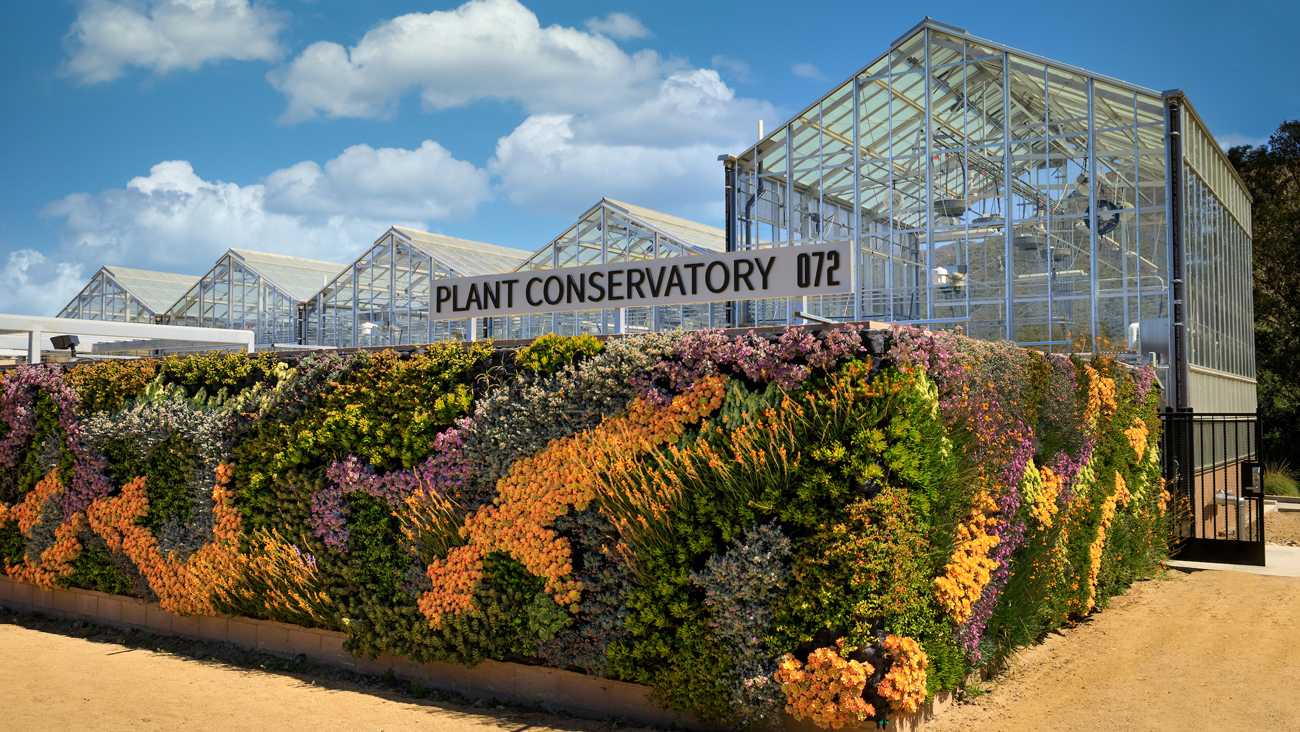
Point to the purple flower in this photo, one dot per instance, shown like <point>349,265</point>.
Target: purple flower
<point>446,473</point>
<point>787,362</point>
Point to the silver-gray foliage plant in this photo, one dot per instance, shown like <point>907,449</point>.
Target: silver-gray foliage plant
<point>740,589</point>
<point>160,413</point>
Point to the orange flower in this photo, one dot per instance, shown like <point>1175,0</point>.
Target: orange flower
<point>540,489</point>
<point>1120,496</point>
<point>969,569</point>
<point>904,685</point>
<point>1137,437</point>
<point>184,587</point>
<point>828,690</point>
<point>55,562</point>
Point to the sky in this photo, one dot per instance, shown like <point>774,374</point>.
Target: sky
<point>159,133</point>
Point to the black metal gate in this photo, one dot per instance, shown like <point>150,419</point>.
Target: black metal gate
<point>1212,463</point>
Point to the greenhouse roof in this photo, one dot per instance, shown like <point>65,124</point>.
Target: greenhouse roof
<point>616,230</point>
<point>155,290</point>
<point>951,45</point>
<point>296,277</point>
<point>691,233</point>
<point>461,256</point>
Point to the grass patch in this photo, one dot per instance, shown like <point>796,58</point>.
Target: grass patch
<point>1280,480</point>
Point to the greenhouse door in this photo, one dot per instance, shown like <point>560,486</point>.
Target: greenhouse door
<point>1213,469</point>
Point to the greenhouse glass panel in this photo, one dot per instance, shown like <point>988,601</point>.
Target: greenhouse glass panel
<point>253,291</point>
<point>1013,196</point>
<point>127,295</point>
<point>608,233</point>
<point>385,297</point>
<point>1216,264</point>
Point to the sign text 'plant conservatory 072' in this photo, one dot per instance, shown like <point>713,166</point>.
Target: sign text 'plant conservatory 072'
<point>813,270</point>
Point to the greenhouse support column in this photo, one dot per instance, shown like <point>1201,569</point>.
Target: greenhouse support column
<point>891,237</point>
<point>729,185</point>
<point>1046,193</point>
<point>789,207</point>
<point>1178,371</point>
<point>855,227</point>
<point>929,187</point>
<point>1008,222</point>
<point>1094,291</point>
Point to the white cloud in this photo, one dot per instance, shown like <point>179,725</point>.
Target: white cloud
<point>661,153</point>
<point>425,183</point>
<point>619,25</point>
<point>1232,140</point>
<point>600,122</point>
<point>485,49</point>
<point>34,285</point>
<point>174,220</point>
<point>685,180</point>
<point>165,35</point>
<point>806,71</point>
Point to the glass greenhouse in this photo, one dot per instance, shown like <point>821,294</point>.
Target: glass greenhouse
<point>253,291</point>
<point>978,186</point>
<point>1021,199</point>
<point>127,295</point>
<point>383,298</point>
<point>611,232</point>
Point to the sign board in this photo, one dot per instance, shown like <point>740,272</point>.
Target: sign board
<point>822,269</point>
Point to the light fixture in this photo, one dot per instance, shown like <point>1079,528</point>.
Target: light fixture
<point>66,343</point>
<point>950,207</point>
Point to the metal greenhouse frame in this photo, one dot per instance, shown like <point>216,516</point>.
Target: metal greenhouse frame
<point>1021,199</point>
<point>253,291</point>
<point>127,295</point>
<point>383,298</point>
<point>610,232</point>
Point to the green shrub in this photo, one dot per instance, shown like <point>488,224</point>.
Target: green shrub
<point>382,407</point>
<point>548,353</point>
<point>108,386</point>
<point>216,371</point>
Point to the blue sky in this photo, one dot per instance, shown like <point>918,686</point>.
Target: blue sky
<point>158,133</point>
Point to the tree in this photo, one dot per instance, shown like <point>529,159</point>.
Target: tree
<point>1272,175</point>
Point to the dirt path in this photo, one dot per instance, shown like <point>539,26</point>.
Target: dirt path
<point>1282,527</point>
<point>1201,651</point>
<point>56,681</point>
<point>1198,651</point>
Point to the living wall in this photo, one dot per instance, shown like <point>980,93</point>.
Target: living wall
<point>834,525</point>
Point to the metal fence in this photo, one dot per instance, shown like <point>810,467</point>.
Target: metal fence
<point>1212,463</point>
